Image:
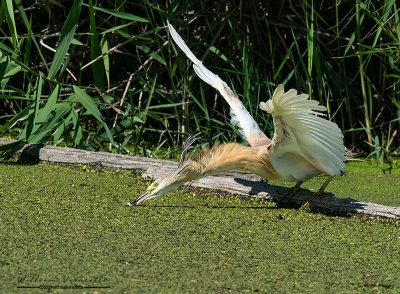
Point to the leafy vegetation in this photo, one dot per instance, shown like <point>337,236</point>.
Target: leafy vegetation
<point>102,76</point>
<point>71,229</point>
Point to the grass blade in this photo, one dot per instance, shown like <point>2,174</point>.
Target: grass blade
<point>60,109</point>
<point>67,33</point>
<point>77,129</point>
<point>22,115</point>
<point>28,43</point>
<point>120,14</point>
<point>9,11</point>
<point>22,12</point>
<point>92,109</point>
<point>32,125</point>
<point>106,59</point>
<point>3,67</point>
<point>44,113</point>
<point>95,51</point>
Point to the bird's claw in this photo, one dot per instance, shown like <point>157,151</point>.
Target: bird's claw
<point>290,193</point>
<point>306,201</point>
<point>310,198</point>
<point>293,190</point>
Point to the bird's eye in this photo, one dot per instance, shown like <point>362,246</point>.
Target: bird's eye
<point>152,186</point>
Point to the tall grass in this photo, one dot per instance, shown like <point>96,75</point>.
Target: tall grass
<point>92,75</point>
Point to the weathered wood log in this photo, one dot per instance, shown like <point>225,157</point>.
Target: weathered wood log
<point>240,183</point>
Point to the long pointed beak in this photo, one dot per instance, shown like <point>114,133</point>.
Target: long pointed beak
<point>141,198</point>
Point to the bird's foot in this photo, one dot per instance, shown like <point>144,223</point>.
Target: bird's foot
<point>293,190</point>
<point>306,201</point>
<point>289,194</point>
<point>310,198</point>
<point>320,192</point>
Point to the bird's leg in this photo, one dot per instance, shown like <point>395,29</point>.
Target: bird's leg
<point>293,190</point>
<point>320,191</point>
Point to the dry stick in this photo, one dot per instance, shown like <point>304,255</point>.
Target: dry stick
<point>362,78</point>
<point>54,50</point>
<point>108,52</point>
<point>337,110</point>
<point>120,104</point>
<point>129,83</point>
<point>140,96</point>
<point>48,47</point>
<point>39,75</point>
<point>118,111</point>
<point>121,83</point>
<point>391,140</point>
<point>365,102</point>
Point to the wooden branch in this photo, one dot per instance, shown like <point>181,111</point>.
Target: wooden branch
<point>240,183</point>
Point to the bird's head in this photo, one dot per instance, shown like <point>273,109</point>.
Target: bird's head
<point>162,186</point>
<point>187,170</point>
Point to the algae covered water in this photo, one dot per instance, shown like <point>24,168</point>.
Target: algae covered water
<point>62,227</point>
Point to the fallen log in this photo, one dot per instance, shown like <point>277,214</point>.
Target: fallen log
<point>240,183</point>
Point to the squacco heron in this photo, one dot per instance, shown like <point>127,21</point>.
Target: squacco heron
<point>304,143</point>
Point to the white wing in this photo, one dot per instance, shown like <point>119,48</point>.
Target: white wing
<point>240,116</point>
<point>301,134</point>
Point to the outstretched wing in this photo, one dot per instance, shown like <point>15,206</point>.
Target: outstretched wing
<point>299,128</point>
<point>240,116</point>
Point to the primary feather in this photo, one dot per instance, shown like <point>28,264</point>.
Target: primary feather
<point>304,144</point>
<point>240,116</point>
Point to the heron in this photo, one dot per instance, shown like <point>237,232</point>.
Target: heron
<point>304,144</point>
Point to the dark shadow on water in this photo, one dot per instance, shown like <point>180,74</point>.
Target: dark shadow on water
<point>326,204</point>
<point>30,154</point>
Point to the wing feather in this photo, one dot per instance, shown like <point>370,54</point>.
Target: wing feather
<point>240,116</point>
<point>300,129</point>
